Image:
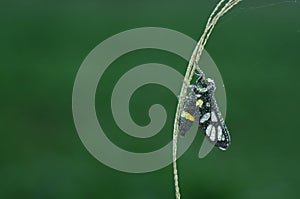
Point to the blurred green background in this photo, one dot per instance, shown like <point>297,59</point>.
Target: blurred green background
<point>256,47</point>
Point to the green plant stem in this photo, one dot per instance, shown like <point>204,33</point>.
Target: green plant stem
<point>193,63</point>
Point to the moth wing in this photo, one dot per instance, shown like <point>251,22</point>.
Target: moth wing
<point>216,130</point>
<point>189,115</point>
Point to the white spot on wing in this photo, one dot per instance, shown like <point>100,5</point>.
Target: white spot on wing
<point>219,133</point>
<point>208,130</point>
<point>213,117</point>
<point>223,137</point>
<point>213,134</point>
<point>205,117</point>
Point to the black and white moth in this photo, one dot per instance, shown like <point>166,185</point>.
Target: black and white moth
<point>200,106</point>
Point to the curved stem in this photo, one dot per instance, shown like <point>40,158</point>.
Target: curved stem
<point>194,60</point>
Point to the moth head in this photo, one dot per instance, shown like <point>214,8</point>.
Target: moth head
<point>211,84</point>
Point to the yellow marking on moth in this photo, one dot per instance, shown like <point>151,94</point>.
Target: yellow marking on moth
<point>189,117</point>
<point>199,102</point>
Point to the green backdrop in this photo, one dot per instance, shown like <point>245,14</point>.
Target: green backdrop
<point>43,43</point>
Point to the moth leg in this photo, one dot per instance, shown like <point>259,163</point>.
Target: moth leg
<point>198,69</point>
<point>200,75</point>
<point>193,87</point>
<point>186,83</point>
<point>184,98</point>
